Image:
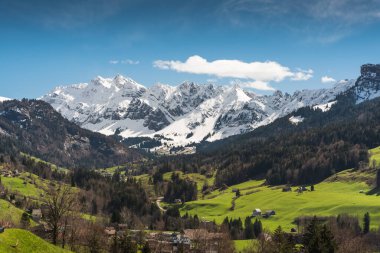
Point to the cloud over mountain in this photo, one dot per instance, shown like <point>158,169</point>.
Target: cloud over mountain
<point>258,73</point>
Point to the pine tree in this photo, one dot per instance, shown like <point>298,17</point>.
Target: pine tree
<point>248,230</point>
<point>318,239</point>
<point>327,244</point>
<point>366,223</point>
<point>25,220</point>
<point>282,242</point>
<point>146,248</point>
<point>257,228</point>
<point>311,236</point>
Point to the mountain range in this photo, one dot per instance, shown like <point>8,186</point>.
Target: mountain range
<point>185,114</point>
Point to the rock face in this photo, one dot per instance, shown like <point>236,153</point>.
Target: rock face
<point>190,113</point>
<point>367,85</point>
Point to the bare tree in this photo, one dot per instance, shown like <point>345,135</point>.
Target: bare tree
<point>60,202</point>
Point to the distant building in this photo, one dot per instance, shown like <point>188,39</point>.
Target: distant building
<point>256,212</point>
<point>178,201</point>
<point>110,231</point>
<point>36,215</point>
<point>269,213</point>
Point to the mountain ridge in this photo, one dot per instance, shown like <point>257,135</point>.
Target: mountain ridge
<point>35,128</point>
<point>182,115</point>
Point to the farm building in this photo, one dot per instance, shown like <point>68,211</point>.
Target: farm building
<point>256,212</point>
<point>36,214</point>
<point>178,201</point>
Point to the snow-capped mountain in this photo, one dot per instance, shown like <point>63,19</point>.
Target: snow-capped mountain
<point>188,113</point>
<point>2,99</point>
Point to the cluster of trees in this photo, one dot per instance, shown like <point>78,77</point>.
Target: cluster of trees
<point>124,199</point>
<point>341,234</point>
<point>178,188</point>
<point>175,222</point>
<point>236,230</point>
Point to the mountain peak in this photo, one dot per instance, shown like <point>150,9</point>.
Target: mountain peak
<point>2,99</point>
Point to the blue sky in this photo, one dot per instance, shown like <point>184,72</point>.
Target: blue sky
<point>260,44</point>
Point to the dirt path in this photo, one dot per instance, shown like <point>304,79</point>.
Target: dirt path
<point>158,202</point>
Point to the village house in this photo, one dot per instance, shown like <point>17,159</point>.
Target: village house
<point>256,212</point>
<point>110,231</point>
<point>36,215</point>
<point>178,201</point>
<point>269,213</point>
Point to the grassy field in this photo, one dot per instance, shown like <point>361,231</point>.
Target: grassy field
<point>26,184</point>
<point>338,194</point>
<point>374,156</point>
<point>241,245</point>
<point>9,212</point>
<point>22,241</point>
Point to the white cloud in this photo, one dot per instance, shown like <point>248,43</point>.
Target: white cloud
<point>302,75</point>
<point>127,61</point>
<point>327,79</point>
<point>257,74</point>
<point>258,85</point>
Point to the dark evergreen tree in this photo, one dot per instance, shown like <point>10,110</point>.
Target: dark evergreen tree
<point>257,228</point>
<point>145,248</point>
<point>25,220</point>
<point>248,228</point>
<point>366,223</point>
<point>282,243</point>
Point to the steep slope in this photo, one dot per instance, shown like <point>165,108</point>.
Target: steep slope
<point>23,241</point>
<point>34,127</point>
<point>178,116</point>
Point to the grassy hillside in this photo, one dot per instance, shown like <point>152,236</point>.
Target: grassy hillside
<point>9,212</point>
<point>26,184</point>
<point>350,191</point>
<point>38,160</point>
<point>374,156</point>
<point>22,241</point>
<point>339,194</point>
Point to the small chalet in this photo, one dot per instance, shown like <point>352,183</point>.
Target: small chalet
<point>256,212</point>
<point>110,231</point>
<point>36,214</point>
<point>269,213</point>
<point>178,201</point>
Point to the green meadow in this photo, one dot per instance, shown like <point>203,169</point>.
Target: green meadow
<point>26,184</point>
<point>342,193</point>
<point>374,156</point>
<point>350,191</point>
<point>22,241</point>
<point>9,212</point>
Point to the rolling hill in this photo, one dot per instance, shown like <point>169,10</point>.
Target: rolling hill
<point>22,241</point>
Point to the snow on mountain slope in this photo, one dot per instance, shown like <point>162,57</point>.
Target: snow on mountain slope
<point>2,99</point>
<point>181,115</point>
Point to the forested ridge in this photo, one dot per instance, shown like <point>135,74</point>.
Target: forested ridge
<point>323,144</point>
<point>35,128</point>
